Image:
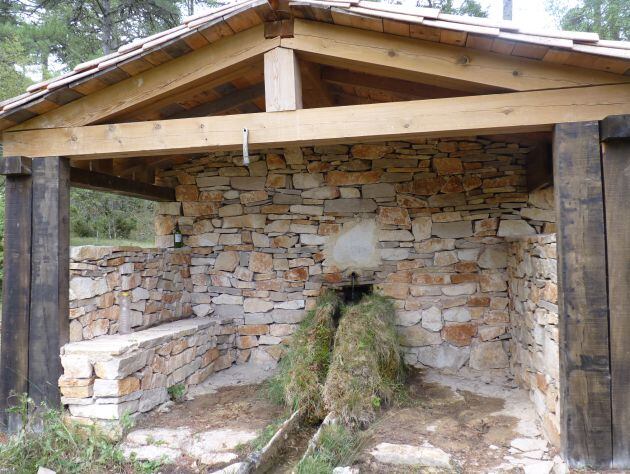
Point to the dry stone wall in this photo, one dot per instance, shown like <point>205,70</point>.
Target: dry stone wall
<point>111,376</point>
<point>424,222</point>
<point>533,289</point>
<point>158,281</point>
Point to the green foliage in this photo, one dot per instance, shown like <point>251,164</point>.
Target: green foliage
<point>262,439</point>
<point>177,392</point>
<point>303,369</point>
<point>108,216</point>
<point>50,441</point>
<point>367,368</point>
<point>337,446</point>
<point>455,7</point>
<point>609,18</point>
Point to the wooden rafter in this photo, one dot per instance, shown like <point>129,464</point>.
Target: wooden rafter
<point>397,86</point>
<point>85,179</point>
<point>434,63</point>
<point>473,115</point>
<point>169,78</point>
<point>225,103</point>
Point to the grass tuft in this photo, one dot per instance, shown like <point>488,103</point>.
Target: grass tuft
<point>337,446</point>
<point>48,440</point>
<point>303,369</point>
<point>367,368</point>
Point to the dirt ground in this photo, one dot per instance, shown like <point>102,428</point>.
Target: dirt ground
<point>464,424</point>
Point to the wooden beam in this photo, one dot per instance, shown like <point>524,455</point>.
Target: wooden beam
<point>398,86</point>
<point>615,154</point>
<point>85,179</point>
<point>585,395</point>
<point>15,166</point>
<point>15,296</point>
<point>314,88</point>
<point>49,323</point>
<point>227,102</point>
<point>457,116</point>
<point>172,77</point>
<point>615,127</point>
<point>283,84</point>
<point>434,63</point>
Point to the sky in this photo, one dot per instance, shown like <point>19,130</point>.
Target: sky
<point>524,12</point>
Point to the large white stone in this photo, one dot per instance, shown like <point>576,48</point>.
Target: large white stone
<point>515,228</point>
<point>257,305</point>
<point>171,437</point>
<point>459,314</point>
<point>407,455</point>
<point>488,355</point>
<point>356,246</point>
<point>493,256</point>
<point>84,287</point>
<point>443,356</point>
<point>432,319</point>
<point>151,453</point>
<point>120,367</point>
<point>76,367</point>
<point>421,228</point>
<point>214,447</point>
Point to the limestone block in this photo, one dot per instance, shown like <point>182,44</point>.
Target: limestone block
<point>417,336</point>
<point>76,367</point>
<point>458,314</point>
<point>432,319</point>
<point>85,287</point>
<point>452,230</point>
<point>231,210</point>
<point>397,216</point>
<point>408,318</point>
<point>488,355</point>
<point>307,210</point>
<point>416,456</point>
<point>444,356</point>
<point>257,305</point>
<point>212,181</point>
<point>122,366</point>
<point>115,388</point>
<point>493,257</point>
<point>287,316</point>
<point>110,411</point>
<point>421,228</point>
<point>515,228</point>
<point>226,261</point>
<point>249,221</point>
<point>307,180</point>
<point>459,334</point>
<point>227,299</point>
<point>152,398</point>
<point>349,205</point>
<point>378,190</point>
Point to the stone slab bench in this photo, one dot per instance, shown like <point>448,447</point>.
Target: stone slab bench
<point>111,376</point>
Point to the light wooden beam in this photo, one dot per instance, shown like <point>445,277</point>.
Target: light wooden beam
<point>434,63</point>
<point>283,84</point>
<point>227,102</point>
<point>172,77</point>
<point>473,115</point>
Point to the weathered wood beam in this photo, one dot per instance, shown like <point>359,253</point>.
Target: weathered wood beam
<point>314,89</point>
<point>15,166</point>
<point>172,77</point>
<point>585,393</point>
<point>86,179</point>
<point>615,156</point>
<point>456,116</point>
<point>16,289</point>
<point>434,63</point>
<point>230,101</point>
<point>398,86</point>
<point>283,82</point>
<point>49,323</point>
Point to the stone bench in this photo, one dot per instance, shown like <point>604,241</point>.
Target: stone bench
<point>110,376</point>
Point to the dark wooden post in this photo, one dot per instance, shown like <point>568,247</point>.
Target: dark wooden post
<point>585,390</point>
<point>615,136</point>
<point>49,276</point>
<point>16,284</point>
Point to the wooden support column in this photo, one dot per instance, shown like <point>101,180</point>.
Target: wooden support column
<point>16,285</point>
<point>615,135</point>
<point>283,84</point>
<point>585,393</point>
<point>49,322</point>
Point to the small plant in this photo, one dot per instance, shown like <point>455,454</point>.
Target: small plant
<point>303,370</point>
<point>262,439</point>
<point>177,392</point>
<point>367,368</point>
<point>337,446</point>
<point>48,440</point>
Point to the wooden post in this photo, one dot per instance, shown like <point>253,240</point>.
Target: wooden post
<point>16,285</point>
<point>615,134</point>
<point>585,393</point>
<point>283,85</point>
<point>49,276</point>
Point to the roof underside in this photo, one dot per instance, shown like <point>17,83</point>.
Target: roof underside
<point>583,50</point>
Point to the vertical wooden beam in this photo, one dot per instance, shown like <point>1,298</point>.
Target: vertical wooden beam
<point>283,84</point>
<point>583,298</point>
<point>616,164</point>
<point>16,286</point>
<point>49,276</point>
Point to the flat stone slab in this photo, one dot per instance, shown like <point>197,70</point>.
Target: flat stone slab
<point>151,453</point>
<point>118,344</point>
<point>529,444</point>
<point>407,455</point>
<point>173,438</point>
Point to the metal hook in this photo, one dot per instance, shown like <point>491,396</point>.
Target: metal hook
<point>245,147</point>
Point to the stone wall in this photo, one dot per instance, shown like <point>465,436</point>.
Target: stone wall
<point>111,376</point>
<point>422,221</point>
<point>532,272</point>
<point>158,281</point>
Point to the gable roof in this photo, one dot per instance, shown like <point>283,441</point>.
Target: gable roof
<point>579,49</point>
